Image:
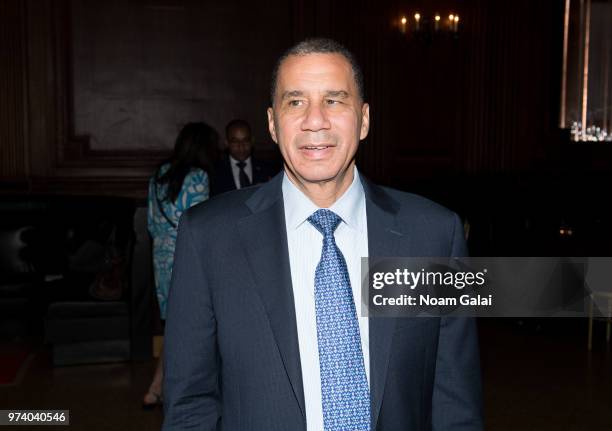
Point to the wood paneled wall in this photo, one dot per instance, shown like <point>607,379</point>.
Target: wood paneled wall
<point>512,82</point>
<point>13,115</point>
<point>485,102</point>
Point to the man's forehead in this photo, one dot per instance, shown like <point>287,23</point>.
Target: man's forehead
<point>327,74</point>
<point>238,130</point>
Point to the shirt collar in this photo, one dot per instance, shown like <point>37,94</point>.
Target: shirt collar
<point>350,206</point>
<point>234,161</point>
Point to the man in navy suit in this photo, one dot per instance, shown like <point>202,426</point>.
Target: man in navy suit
<point>240,169</point>
<point>263,332</point>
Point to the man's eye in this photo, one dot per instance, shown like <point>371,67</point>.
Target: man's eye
<point>333,102</point>
<point>295,102</point>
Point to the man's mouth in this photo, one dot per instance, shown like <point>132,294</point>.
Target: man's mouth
<point>316,148</point>
<point>317,152</point>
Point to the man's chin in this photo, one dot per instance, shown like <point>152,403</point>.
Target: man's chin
<point>321,178</point>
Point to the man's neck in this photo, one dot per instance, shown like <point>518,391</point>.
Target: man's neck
<point>324,194</point>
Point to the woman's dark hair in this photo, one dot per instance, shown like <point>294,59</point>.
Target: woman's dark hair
<point>195,147</point>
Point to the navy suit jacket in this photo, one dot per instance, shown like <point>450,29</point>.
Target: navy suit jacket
<point>231,355</point>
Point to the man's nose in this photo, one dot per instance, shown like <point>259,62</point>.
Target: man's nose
<point>315,119</point>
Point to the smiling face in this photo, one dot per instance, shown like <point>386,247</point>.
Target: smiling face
<point>318,119</point>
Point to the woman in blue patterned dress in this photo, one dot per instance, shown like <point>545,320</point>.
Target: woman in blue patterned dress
<point>179,183</point>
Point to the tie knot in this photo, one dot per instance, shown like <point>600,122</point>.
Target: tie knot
<point>325,221</point>
<point>241,164</point>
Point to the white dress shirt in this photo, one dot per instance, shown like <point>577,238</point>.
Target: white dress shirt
<point>305,246</point>
<point>248,169</point>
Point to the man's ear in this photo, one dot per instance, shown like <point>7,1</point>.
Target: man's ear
<point>271,126</point>
<point>365,121</point>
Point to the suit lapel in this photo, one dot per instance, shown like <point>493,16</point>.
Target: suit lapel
<point>385,238</point>
<point>230,184</point>
<point>257,172</point>
<point>265,243</point>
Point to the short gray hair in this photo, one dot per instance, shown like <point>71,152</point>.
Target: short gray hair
<point>318,46</point>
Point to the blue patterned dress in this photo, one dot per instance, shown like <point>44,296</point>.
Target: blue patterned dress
<point>195,189</point>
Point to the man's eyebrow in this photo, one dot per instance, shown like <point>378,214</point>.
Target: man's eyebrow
<point>337,93</point>
<point>329,93</point>
<point>294,93</point>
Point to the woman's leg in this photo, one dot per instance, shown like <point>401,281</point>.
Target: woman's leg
<point>154,394</point>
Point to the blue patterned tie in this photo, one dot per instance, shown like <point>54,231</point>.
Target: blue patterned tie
<point>344,388</point>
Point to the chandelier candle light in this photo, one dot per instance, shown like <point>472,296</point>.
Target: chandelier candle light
<point>426,25</point>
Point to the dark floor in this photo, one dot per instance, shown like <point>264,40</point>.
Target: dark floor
<point>100,397</point>
<point>537,375</point>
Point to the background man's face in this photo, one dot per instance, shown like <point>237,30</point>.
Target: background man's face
<point>318,117</point>
<point>239,143</point>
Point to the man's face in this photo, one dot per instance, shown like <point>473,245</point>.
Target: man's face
<point>239,143</point>
<point>317,118</point>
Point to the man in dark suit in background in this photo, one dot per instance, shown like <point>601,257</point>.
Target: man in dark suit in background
<point>240,169</point>
<point>263,331</point>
